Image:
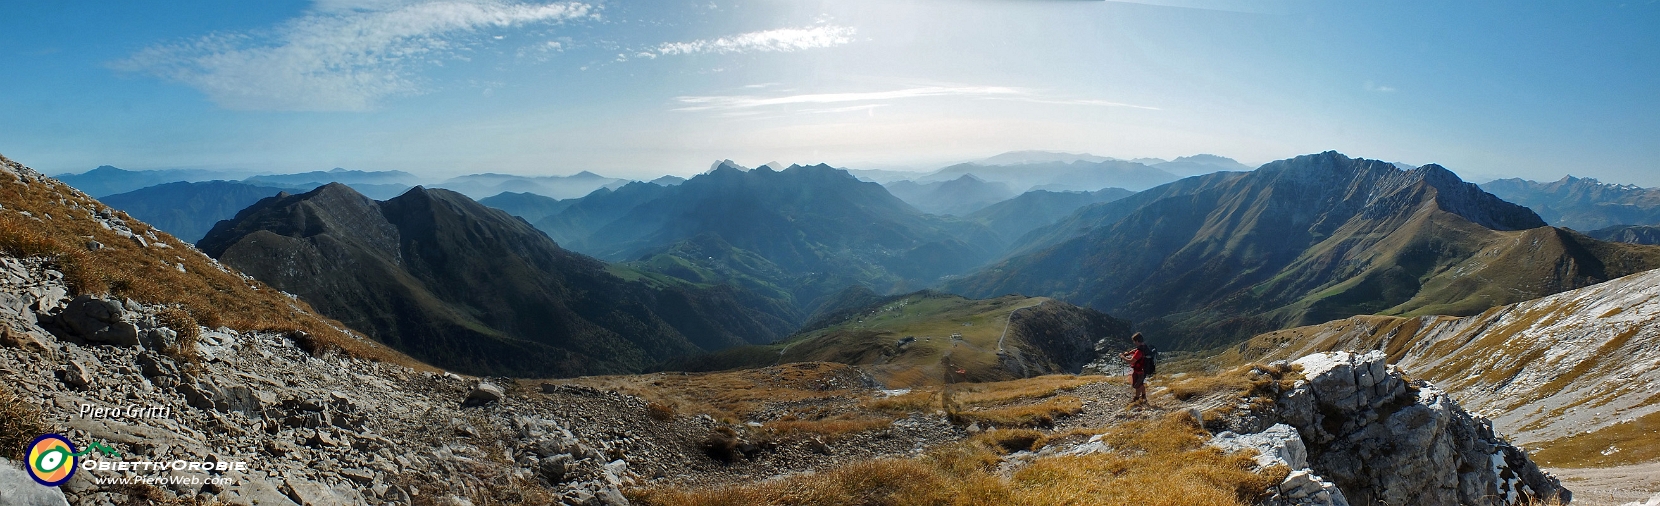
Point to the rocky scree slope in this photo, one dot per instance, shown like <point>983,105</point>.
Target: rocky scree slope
<point>1581,364</point>
<point>1214,260</point>
<point>470,288</point>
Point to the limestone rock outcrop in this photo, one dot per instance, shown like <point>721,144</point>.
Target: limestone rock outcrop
<point>1385,440</point>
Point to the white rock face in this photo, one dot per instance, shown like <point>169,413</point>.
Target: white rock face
<point>1281,445</point>
<point>1577,361</point>
<point>1384,441</point>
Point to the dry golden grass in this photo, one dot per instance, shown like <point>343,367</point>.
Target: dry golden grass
<point>920,400</point>
<point>61,223</point>
<point>1039,414</point>
<point>733,395</point>
<point>1245,381</point>
<point>20,423</point>
<point>979,394</point>
<point>1160,462</point>
<point>1633,442</point>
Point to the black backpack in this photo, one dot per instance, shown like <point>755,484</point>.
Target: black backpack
<point>1149,358</point>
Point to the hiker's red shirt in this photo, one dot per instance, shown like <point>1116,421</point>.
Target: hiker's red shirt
<point>1138,364</point>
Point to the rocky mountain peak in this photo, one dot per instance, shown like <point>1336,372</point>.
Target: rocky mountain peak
<point>1471,202</point>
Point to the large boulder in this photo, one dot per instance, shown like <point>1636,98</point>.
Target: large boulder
<point>97,321</point>
<point>1386,441</point>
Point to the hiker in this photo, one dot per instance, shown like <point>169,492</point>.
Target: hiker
<point>1140,359</point>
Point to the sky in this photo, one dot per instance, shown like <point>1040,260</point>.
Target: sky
<point>639,89</point>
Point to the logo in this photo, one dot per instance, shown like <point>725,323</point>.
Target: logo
<point>52,460</point>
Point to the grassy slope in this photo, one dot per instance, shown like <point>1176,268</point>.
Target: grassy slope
<point>61,222</point>
<point>1037,343</point>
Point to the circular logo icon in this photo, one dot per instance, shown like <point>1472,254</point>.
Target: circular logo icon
<point>52,460</point>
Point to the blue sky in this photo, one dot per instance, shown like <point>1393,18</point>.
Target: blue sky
<point>638,89</point>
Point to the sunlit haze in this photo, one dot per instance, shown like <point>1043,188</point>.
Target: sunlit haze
<point>640,89</point>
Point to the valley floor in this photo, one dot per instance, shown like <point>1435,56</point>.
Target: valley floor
<point>1613,486</point>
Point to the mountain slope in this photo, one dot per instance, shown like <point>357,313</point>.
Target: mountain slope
<point>1216,259</point>
<point>1013,218</point>
<point>1582,203</point>
<point>806,222</point>
<point>1559,372</point>
<point>956,197</point>
<point>530,206</point>
<point>188,210</point>
<point>472,288</point>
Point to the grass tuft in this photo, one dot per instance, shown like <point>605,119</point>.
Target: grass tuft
<point>20,423</point>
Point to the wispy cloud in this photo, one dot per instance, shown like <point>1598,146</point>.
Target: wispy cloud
<point>739,102</point>
<point>1371,86</point>
<point>341,55</point>
<point>782,40</point>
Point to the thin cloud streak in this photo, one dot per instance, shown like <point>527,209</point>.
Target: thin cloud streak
<point>341,56</point>
<point>739,102</point>
<point>782,40</point>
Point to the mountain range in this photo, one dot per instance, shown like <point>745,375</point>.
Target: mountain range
<point>467,287</point>
<point>1582,203</point>
<point>808,231</point>
<point>1212,260</point>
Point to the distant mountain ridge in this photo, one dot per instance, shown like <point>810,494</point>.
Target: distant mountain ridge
<point>107,180</point>
<point>467,287</point>
<point>956,197</point>
<point>1059,176</point>
<point>1582,203</point>
<point>188,210</point>
<point>479,186</point>
<point>1214,259</point>
<point>1634,234</point>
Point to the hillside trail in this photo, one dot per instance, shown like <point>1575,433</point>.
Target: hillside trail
<point>1008,320</point>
